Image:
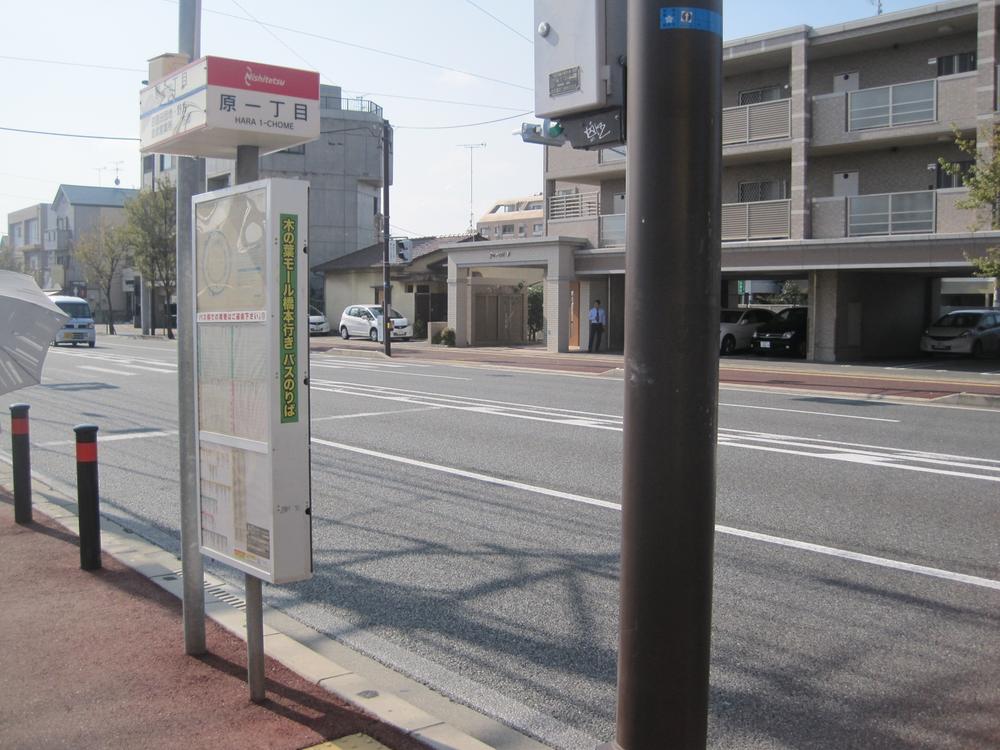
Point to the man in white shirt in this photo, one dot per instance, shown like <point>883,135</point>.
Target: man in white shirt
<point>598,319</point>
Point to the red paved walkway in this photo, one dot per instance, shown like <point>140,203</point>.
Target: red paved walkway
<point>96,660</point>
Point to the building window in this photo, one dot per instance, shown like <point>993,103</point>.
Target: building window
<point>166,162</point>
<point>521,230</point>
<point>945,180</point>
<point>762,190</point>
<point>763,94</point>
<point>536,230</point>
<point>148,163</point>
<point>962,62</point>
<point>507,229</point>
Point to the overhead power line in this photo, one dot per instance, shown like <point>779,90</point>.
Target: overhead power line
<point>69,135</point>
<point>465,125</point>
<point>365,48</point>
<point>72,64</point>
<point>502,23</point>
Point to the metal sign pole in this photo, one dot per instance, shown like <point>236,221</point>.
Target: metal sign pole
<point>188,171</point>
<point>386,283</point>
<point>671,389</point>
<point>248,170</point>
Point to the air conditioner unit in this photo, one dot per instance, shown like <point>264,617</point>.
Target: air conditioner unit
<point>401,250</point>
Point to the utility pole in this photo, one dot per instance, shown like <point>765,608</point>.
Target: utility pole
<point>472,214</point>
<point>386,284</point>
<point>189,170</point>
<point>672,272</point>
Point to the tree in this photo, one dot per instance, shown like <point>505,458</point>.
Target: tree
<point>982,179</point>
<point>791,294</point>
<point>7,260</point>
<point>152,229</point>
<point>104,252</point>
<point>536,310</point>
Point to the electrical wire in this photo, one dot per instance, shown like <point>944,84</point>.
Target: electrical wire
<point>502,23</point>
<point>466,125</point>
<point>71,64</point>
<point>365,48</point>
<point>69,135</point>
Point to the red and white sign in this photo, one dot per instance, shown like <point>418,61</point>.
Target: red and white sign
<point>215,104</point>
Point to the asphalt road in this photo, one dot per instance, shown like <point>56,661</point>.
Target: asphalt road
<point>466,532</point>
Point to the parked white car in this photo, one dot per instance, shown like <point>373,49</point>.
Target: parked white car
<point>736,328</point>
<point>975,332</point>
<point>317,322</point>
<point>362,321</point>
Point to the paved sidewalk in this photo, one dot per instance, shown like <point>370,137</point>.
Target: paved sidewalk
<point>96,660</point>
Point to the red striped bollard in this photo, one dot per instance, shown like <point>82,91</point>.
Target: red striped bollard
<point>87,496</point>
<point>20,450</point>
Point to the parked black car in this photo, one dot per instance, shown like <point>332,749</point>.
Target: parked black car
<point>784,334</point>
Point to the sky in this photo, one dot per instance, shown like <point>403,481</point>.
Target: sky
<point>448,73</point>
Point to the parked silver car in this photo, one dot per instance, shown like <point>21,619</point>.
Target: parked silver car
<point>975,332</point>
<point>362,321</point>
<point>736,328</point>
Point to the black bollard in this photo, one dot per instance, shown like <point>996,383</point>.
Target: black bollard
<point>20,450</point>
<point>87,496</point>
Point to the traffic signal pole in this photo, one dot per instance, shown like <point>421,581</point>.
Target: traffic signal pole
<point>671,383</point>
<point>386,282</point>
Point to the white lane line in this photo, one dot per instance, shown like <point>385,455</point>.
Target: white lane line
<point>374,413</point>
<point>883,562</point>
<point>386,371</point>
<point>113,437</point>
<point>817,413</point>
<point>469,474</point>
<point>844,554</point>
<point>110,372</point>
<point>150,369</point>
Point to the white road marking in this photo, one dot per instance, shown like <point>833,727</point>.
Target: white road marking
<point>374,413</point>
<point>110,372</point>
<point>113,437</point>
<point>832,415</point>
<point>843,554</point>
<point>386,370</point>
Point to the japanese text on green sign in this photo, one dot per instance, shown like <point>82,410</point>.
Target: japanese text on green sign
<point>288,329</point>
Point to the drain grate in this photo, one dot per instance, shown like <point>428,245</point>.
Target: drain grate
<point>219,592</point>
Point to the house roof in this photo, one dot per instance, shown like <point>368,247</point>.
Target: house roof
<point>88,195</point>
<point>370,256</point>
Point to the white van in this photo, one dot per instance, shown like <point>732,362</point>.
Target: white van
<point>79,329</point>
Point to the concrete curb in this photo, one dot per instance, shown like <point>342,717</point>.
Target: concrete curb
<point>225,605</point>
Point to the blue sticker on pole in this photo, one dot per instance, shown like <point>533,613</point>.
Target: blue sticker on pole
<point>698,19</point>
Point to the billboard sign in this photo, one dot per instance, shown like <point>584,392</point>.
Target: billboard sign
<point>209,106</point>
<point>252,366</point>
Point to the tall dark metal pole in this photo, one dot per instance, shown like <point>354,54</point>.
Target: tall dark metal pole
<point>189,173</point>
<point>671,388</point>
<point>386,285</point>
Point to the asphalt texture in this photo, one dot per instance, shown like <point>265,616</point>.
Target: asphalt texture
<point>96,660</point>
<point>466,534</point>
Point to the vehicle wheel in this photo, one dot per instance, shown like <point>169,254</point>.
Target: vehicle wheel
<point>728,346</point>
<point>977,350</point>
<point>373,334</point>
<point>343,333</point>
<point>92,344</point>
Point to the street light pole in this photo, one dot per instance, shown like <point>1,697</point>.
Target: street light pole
<point>386,284</point>
<point>673,175</point>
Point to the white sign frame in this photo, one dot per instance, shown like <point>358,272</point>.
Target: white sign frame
<point>273,498</point>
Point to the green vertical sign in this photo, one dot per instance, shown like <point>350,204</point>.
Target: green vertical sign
<point>740,287</point>
<point>288,330</point>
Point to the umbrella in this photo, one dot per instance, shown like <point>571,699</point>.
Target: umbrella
<point>28,322</point>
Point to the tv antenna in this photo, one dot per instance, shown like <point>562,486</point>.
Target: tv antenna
<point>116,165</point>
<point>472,214</point>
<point>877,5</point>
<point>99,171</point>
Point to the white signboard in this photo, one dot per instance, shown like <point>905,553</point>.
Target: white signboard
<point>208,107</point>
<point>252,393</point>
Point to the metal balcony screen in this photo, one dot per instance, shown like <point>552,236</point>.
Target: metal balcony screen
<point>612,230</point>
<point>887,106</point>
<point>891,213</point>
<point>757,122</point>
<point>574,205</point>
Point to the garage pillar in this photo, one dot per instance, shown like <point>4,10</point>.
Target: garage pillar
<point>557,314</point>
<point>459,303</point>
<point>823,315</point>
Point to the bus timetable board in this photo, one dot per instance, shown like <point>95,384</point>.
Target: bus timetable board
<point>252,366</point>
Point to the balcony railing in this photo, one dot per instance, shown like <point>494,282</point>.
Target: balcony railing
<point>57,239</point>
<point>574,205</point>
<point>891,213</point>
<point>760,220</point>
<point>757,122</point>
<point>612,230</point>
<point>891,106</point>
<point>358,104</point>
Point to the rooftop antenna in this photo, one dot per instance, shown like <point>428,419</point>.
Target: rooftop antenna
<point>472,214</point>
<point>99,170</point>
<point>877,4</point>
<point>117,164</point>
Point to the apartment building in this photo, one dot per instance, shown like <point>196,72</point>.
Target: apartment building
<point>512,218</point>
<point>831,143</point>
<point>344,170</point>
<point>27,231</point>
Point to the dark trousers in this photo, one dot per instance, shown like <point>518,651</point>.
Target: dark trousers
<point>596,331</point>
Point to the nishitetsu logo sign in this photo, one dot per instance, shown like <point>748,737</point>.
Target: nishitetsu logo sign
<point>215,104</point>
